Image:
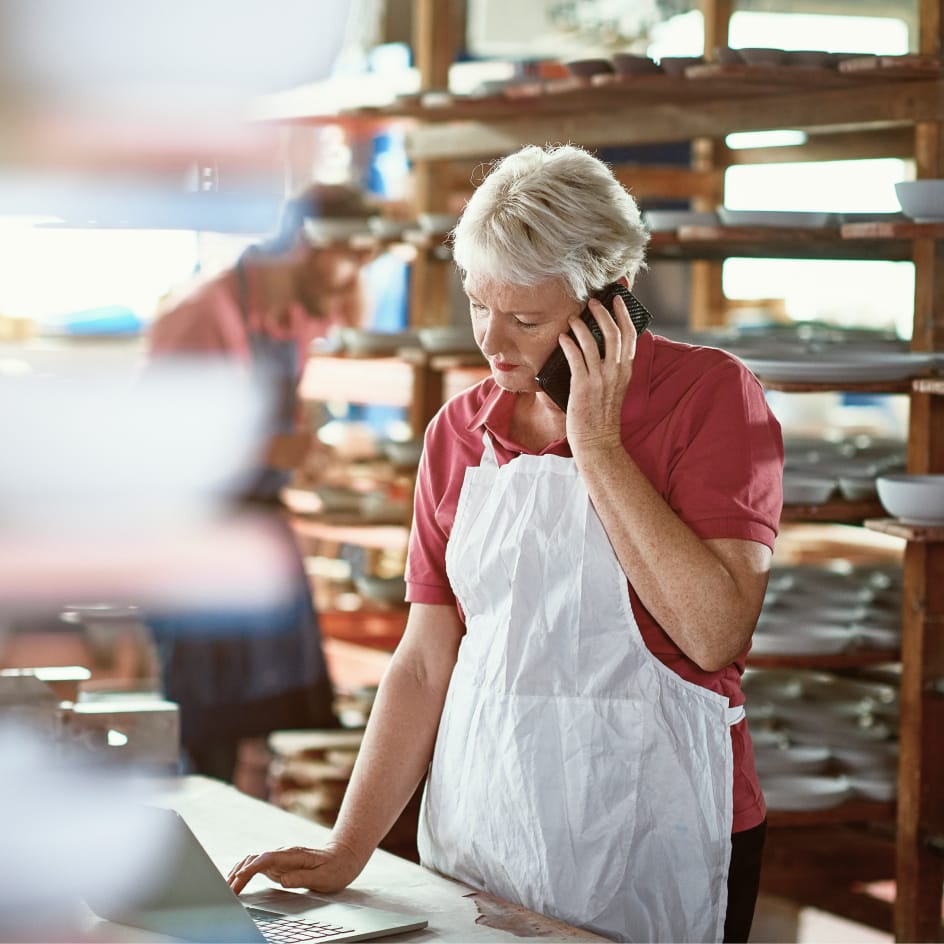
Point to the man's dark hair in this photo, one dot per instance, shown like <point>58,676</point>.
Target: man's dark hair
<point>319,201</point>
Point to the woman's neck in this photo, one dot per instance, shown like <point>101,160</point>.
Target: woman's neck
<point>536,421</point>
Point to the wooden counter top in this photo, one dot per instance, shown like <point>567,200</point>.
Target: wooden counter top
<point>231,824</point>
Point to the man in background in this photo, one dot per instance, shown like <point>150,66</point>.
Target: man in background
<point>240,674</point>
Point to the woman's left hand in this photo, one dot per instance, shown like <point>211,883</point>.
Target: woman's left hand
<point>598,385</point>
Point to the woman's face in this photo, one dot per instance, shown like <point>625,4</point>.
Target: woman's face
<point>517,327</point>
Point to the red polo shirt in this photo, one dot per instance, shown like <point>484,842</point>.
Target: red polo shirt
<point>696,422</point>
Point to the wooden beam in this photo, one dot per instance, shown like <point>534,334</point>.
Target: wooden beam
<point>883,105</point>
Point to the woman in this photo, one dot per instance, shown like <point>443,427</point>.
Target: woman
<point>584,586</point>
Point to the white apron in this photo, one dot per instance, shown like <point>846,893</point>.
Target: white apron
<point>573,772</point>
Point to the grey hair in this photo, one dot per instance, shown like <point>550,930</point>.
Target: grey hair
<point>551,213</point>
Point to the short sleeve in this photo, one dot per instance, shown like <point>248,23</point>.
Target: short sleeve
<point>726,475</point>
<point>426,578</point>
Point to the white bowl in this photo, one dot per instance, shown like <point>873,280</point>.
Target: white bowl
<point>922,200</point>
<point>436,223</point>
<point>778,218</point>
<point>659,220</point>
<point>913,499</point>
<point>800,489</point>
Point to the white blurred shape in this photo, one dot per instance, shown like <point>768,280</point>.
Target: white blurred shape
<point>71,830</point>
<point>96,443</point>
<point>178,56</point>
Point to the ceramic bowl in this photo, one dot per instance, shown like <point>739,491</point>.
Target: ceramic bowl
<point>585,68</point>
<point>728,56</point>
<point>381,589</point>
<point>436,223</point>
<point>627,63</point>
<point>914,499</point>
<point>661,220</point>
<point>922,200</point>
<point>762,56</point>
<point>676,65</point>
<point>808,58</point>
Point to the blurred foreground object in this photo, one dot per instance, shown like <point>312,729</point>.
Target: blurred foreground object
<point>72,828</point>
<point>121,485</point>
<point>92,77</point>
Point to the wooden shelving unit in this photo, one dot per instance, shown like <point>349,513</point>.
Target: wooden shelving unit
<point>865,113</point>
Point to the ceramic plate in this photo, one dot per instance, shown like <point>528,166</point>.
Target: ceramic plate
<point>805,793</point>
<point>822,641</point>
<point>798,759</point>
<point>863,368</point>
<point>788,219</point>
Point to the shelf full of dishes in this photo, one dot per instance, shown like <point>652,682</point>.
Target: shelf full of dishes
<point>840,614</point>
<point>825,743</point>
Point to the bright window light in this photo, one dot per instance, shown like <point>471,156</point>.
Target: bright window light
<point>757,139</point>
<point>835,186</point>
<point>876,34</point>
<point>845,293</point>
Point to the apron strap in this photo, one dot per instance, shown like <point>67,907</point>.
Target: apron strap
<point>734,715</point>
<point>488,453</point>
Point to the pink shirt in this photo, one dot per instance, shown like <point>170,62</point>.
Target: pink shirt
<point>696,422</point>
<point>209,318</point>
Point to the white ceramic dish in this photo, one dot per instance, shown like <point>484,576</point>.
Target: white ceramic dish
<point>384,228</point>
<point>863,367</point>
<point>922,200</point>
<point>913,499</point>
<point>381,589</point>
<point>436,223</point>
<point>878,637</point>
<point>796,759</point>
<point>857,487</point>
<point>881,789</point>
<point>867,758</point>
<point>456,339</point>
<point>406,453</point>
<point>359,342</point>
<point>337,231</point>
<point>799,489</point>
<point>666,220</point>
<point>822,640</point>
<point>806,793</point>
<point>785,219</point>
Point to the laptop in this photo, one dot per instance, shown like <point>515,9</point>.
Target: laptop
<point>187,897</point>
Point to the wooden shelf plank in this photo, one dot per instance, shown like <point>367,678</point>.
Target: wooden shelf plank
<point>853,811</point>
<point>933,385</point>
<point>840,660</point>
<point>904,229</point>
<point>595,117</point>
<point>701,242</point>
<point>886,386</point>
<point>838,510</point>
<point>380,536</point>
<point>910,532</point>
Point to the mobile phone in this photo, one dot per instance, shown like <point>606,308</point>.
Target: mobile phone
<point>554,376</point>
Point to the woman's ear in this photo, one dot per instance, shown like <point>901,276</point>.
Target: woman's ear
<point>624,280</point>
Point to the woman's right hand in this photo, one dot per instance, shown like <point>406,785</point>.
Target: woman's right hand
<point>322,870</point>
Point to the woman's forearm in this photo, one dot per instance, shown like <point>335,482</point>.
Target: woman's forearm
<point>399,739</point>
<point>705,595</point>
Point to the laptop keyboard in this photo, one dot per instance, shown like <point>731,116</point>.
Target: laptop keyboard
<point>280,930</point>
